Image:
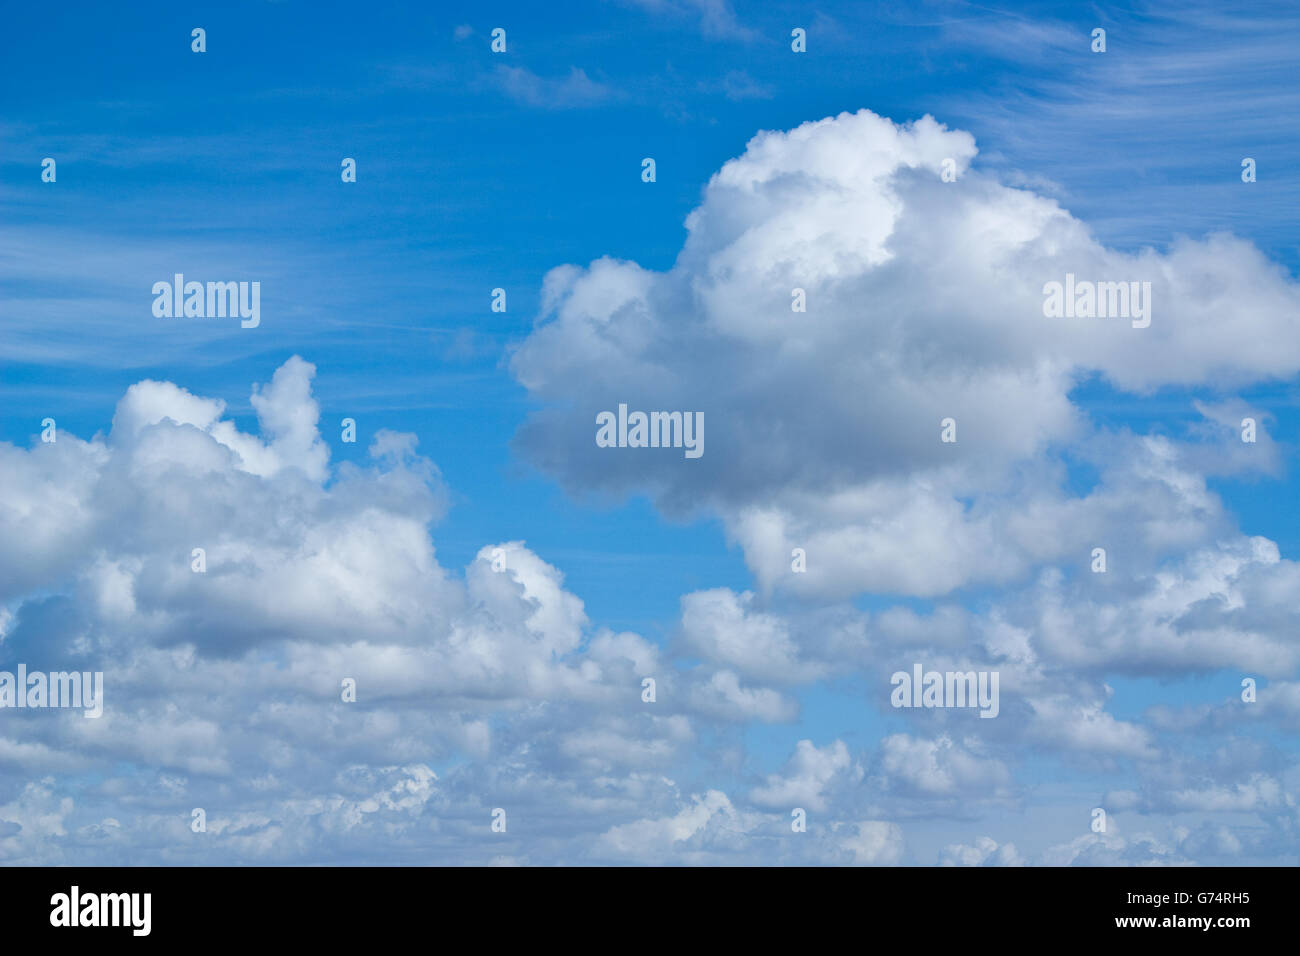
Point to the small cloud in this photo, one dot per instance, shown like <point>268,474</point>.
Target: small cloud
<point>717,18</point>
<point>739,85</point>
<point>1016,40</point>
<point>984,852</point>
<point>463,32</point>
<point>575,90</point>
<point>463,345</point>
<point>826,27</point>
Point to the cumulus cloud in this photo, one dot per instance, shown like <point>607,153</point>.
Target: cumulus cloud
<point>657,838</point>
<point>873,842</point>
<point>984,852</point>
<point>724,627</point>
<point>805,778</point>
<point>924,301</point>
<point>942,766</point>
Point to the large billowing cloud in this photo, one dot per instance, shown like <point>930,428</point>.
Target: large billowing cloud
<point>924,302</point>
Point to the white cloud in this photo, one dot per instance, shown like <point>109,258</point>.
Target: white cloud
<point>806,776</point>
<point>924,301</point>
<point>724,627</point>
<point>574,90</point>
<point>984,852</point>
<point>942,767</point>
<point>872,842</point>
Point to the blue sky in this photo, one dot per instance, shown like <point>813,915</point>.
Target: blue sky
<point>478,170</point>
